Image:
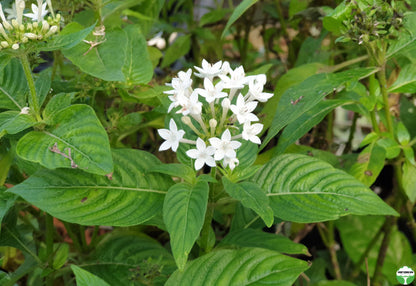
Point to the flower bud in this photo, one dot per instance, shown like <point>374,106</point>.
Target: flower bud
<point>3,32</point>
<point>225,103</point>
<point>186,120</point>
<point>15,46</point>
<point>25,110</point>
<point>21,28</point>
<point>25,40</point>
<point>213,123</point>
<point>4,44</point>
<point>45,26</point>
<point>35,25</point>
<point>29,27</point>
<point>31,36</point>
<point>52,31</point>
<point>15,24</point>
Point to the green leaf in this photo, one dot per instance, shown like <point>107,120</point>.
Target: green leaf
<point>213,16</point>
<point>409,180</point>
<point>391,146</point>
<point>138,68</point>
<point>406,81</point>
<point>257,238</point>
<point>408,115</point>
<point>6,202</point>
<point>238,11</point>
<point>69,37</point>
<point>251,196</point>
<point>402,134</point>
<point>407,37</point>
<point>309,93</point>
<point>130,196</point>
<point>246,266</point>
<point>357,233</point>
<point>305,189</point>
<point>369,164</point>
<point>84,278</point>
<point>409,154</point>
<point>43,86</point>
<point>333,22</point>
<point>61,251</point>
<point>74,139</point>
<point>246,154</point>
<point>305,122</point>
<point>176,170</point>
<point>4,61</point>
<point>183,213</point>
<point>57,103</point>
<point>179,48</point>
<point>12,122</point>
<point>333,283</point>
<point>13,86</point>
<point>104,61</point>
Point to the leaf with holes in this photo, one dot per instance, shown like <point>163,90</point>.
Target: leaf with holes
<point>122,254</point>
<point>13,86</point>
<point>246,266</point>
<point>256,238</point>
<point>251,196</point>
<point>129,197</point>
<point>183,213</point>
<point>74,139</point>
<point>305,189</point>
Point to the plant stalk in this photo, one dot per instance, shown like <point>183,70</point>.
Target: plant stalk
<point>50,230</point>
<point>33,101</point>
<point>381,75</point>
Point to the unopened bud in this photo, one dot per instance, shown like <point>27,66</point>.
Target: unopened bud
<point>186,120</point>
<point>35,25</point>
<point>7,25</point>
<point>25,110</point>
<point>58,17</point>
<point>29,27</point>
<point>225,103</point>
<point>4,44</point>
<point>15,24</point>
<point>213,123</point>
<point>3,32</point>
<point>45,26</point>
<point>52,31</point>
<point>21,28</point>
<point>15,46</point>
<point>31,36</point>
<point>25,40</point>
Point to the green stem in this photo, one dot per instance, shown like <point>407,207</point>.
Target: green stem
<point>348,146</point>
<point>329,241</point>
<point>33,101</point>
<point>343,64</point>
<point>374,121</point>
<point>72,235</point>
<point>205,244</point>
<point>381,75</point>
<point>50,230</point>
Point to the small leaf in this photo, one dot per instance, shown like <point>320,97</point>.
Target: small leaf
<point>12,122</point>
<point>369,164</point>
<point>84,278</point>
<point>238,11</point>
<point>213,16</point>
<point>57,103</point>
<point>407,37</point>
<point>251,196</point>
<point>406,81</point>
<point>409,180</point>
<point>257,238</point>
<point>176,170</point>
<point>402,134</point>
<point>391,147</point>
<point>183,213</point>
<point>43,86</point>
<point>128,196</point>
<point>6,201</point>
<point>105,60</point>
<point>305,189</point>
<point>137,67</point>
<point>61,255</point>
<point>74,139</point>
<point>13,86</point>
<point>246,266</point>
<point>179,48</point>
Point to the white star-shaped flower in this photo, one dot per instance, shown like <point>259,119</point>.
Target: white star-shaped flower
<point>202,154</point>
<point>11,12</point>
<point>237,78</point>
<point>37,15</point>
<point>243,110</point>
<point>255,90</point>
<point>192,106</point>
<point>224,147</point>
<point>250,132</point>
<point>232,162</point>
<point>171,135</point>
<point>209,70</point>
<point>211,92</point>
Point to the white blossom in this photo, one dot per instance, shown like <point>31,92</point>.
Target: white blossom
<point>208,70</point>
<point>250,132</point>
<point>211,92</point>
<point>192,105</point>
<point>38,11</point>
<point>172,136</point>
<point>237,78</point>
<point>202,154</point>
<point>11,12</point>
<point>232,162</point>
<point>25,110</point>
<point>255,91</point>
<point>224,147</point>
<point>243,110</point>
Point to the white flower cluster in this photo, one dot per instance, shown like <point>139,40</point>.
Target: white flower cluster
<point>223,116</point>
<point>15,30</point>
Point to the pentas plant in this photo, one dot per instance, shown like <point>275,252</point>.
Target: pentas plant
<point>220,114</point>
<point>18,30</point>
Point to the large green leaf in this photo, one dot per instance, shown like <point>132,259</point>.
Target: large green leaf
<point>409,180</point>
<point>256,238</point>
<point>369,164</point>
<point>183,213</point>
<point>6,202</point>
<point>407,36</point>
<point>238,11</point>
<point>246,266</point>
<point>138,68</point>
<point>74,139</point>
<point>305,189</point>
<point>300,98</point>
<point>251,196</point>
<point>12,122</point>
<point>84,278</point>
<point>358,232</point>
<point>121,257</point>
<point>176,170</point>
<point>406,81</point>
<point>70,36</point>
<point>104,61</point>
<point>305,122</point>
<point>13,86</point>
<point>408,115</point>
<point>129,197</point>
<point>43,86</point>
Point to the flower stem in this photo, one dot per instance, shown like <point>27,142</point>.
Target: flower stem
<point>381,75</point>
<point>33,101</point>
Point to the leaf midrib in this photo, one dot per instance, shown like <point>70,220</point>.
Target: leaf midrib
<point>100,187</point>
<point>10,97</point>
